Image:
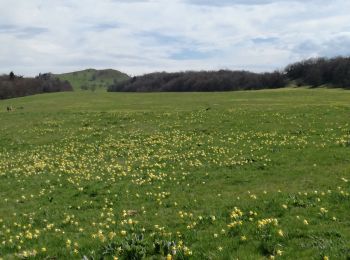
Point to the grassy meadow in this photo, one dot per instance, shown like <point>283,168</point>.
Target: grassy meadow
<point>234,175</point>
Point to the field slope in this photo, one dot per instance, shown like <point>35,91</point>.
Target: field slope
<point>235,175</point>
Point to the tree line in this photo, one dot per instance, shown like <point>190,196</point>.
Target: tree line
<point>223,80</point>
<point>334,72</point>
<point>12,86</point>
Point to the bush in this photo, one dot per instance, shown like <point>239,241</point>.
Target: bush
<point>321,71</point>
<point>12,86</point>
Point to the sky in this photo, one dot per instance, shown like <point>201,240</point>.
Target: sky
<point>142,36</point>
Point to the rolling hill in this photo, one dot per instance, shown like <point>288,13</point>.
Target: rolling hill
<point>92,79</point>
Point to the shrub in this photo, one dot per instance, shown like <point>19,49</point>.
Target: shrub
<point>16,86</point>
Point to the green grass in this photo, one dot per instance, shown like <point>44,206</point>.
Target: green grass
<point>246,175</point>
<point>96,80</point>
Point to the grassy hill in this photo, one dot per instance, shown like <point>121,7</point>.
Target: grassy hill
<point>235,175</point>
<point>92,79</point>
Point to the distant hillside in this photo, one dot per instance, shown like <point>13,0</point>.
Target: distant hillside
<point>91,79</point>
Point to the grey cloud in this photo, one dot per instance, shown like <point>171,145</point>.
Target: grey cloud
<point>238,2</point>
<point>265,40</point>
<point>28,32</point>
<point>22,32</point>
<point>131,1</point>
<point>333,47</point>
<point>7,28</point>
<point>159,37</point>
<point>103,26</point>
<point>192,54</point>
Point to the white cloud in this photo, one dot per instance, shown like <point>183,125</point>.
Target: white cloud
<point>144,36</point>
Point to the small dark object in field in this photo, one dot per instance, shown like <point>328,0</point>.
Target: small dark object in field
<point>208,108</point>
<point>131,212</point>
<point>9,108</point>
